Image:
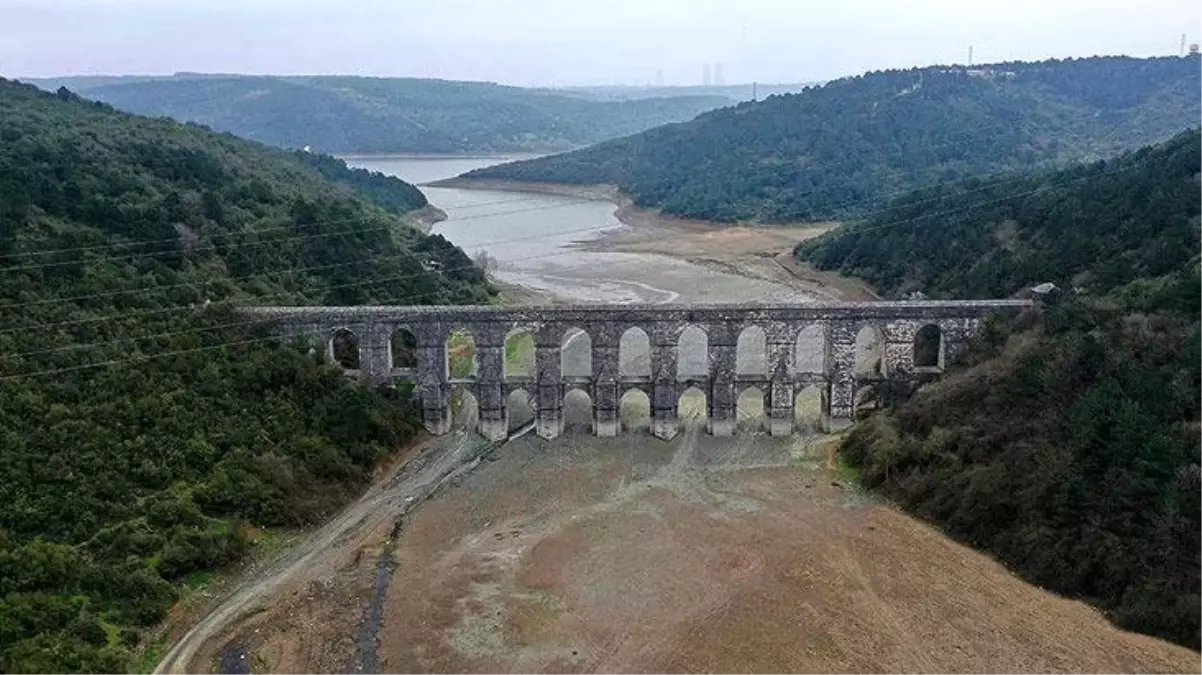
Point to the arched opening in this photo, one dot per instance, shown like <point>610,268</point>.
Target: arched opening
<point>865,402</point>
<point>403,349</point>
<point>870,351</point>
<point>577,412</point>
<point>928,347</point>
<point>344,349</point>
<point>461,355</point>
<point>692,409</point>
<point>692,354</point>
<point>808,407</point>
<point>465,412</point>
<point>576,354</point>
<point>519,354</point>
<point>634,411</point>
<point>520,406</point>
<point>809,350</point>
<point>749,410</point>
<point>634,354</point>
<point>751,352</point>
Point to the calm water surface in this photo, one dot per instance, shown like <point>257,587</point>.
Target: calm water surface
<point>528,236</point>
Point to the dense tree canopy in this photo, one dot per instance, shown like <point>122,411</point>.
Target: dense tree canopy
<point>143,425</point>
<point>841,149</point>
<point>1069,448</point>
<point>345,114</point>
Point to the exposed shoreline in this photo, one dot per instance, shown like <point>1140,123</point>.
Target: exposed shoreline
<point>758,252</point>
<point>424,218</point>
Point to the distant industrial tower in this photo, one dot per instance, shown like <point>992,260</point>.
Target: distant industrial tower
<point>705,75</point>
<point>659,77</point>
<point>719,80</point>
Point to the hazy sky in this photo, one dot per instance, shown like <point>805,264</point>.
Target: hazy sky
<point>545,42</point>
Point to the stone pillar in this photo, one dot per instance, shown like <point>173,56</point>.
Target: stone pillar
<point>433,391</point>
<point>605,380</point>
<point>841,364</point>
<point>375,354</point>
<point>490,359</point>
<point>723,339</point>
<point>778,399</point>
<point>663,383</point>
<point>548,409</point>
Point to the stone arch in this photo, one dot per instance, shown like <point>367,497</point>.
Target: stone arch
<point>634,353</point>
<point>870,351</point>
<point>577,411</point>
<point>751,352</point>
<point>343,348</point>
<point>692,409</point>
<point>928,347</point>
<point>519,356</point>
<point>402,349</point>
<point>461,354</point>
<point>809,408</point>
<point>749,410</point>
<point>465,409</point>
<point>634,410</point>
<point>809,350</point>
<point>692,354</point>
<point>520,408</point>
<point>576,354</point>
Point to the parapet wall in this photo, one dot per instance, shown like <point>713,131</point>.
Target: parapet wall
<point>896,326</point>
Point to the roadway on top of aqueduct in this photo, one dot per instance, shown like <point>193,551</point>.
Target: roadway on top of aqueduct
<point>897,327</point>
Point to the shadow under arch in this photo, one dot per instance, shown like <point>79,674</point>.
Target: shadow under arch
<point>634,411</point>
<point>577,412</point>
<point>519,407</point>
<point>692,409</point>
<point>749,410</point>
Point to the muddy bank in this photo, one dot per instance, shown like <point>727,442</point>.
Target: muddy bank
<point>424,218</point>
<point>763,253</point>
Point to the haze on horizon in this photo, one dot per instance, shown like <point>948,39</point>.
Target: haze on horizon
<point>558,42</point>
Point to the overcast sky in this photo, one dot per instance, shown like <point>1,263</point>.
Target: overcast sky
<point>558,42</point>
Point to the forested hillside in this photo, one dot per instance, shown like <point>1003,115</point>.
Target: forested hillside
<point>841,149</point>
<point>342,114</point>
<point>146,430</point>
<point>1068,447</point>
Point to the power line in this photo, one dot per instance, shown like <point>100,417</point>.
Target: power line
<point>370,281</point>
<point>277,240</point>
<point>171,240</point>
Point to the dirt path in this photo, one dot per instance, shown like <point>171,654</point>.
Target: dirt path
<point>329,550</point>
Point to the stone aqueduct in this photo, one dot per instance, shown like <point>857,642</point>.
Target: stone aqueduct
<point>897,325</point>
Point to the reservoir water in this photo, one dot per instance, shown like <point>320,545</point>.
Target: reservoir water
<point>529,238</point>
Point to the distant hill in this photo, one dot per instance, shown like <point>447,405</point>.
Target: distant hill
<point>342,114</point>
<point>841,149</point>
<point>1096,227</point>
<point>1066,443</point>
<point>734,92</point>
<point>146,430</point>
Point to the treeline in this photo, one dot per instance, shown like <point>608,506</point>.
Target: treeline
<point>344,114</point>
<point>842,149</point>
<point>1068,445</point>
<point>145,428</point>
<point>1128,220</point>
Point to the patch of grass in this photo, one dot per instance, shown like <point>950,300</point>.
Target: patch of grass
<point>461,355</point>
<point>198,579</point>
<point>151,654</point>
<point>848,474</point>
<point>519,351</point>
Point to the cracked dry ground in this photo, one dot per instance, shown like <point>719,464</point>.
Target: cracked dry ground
<point>702,554</point>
